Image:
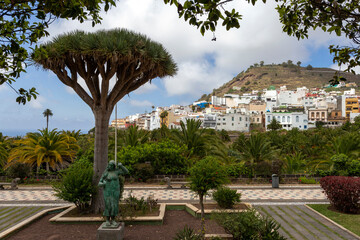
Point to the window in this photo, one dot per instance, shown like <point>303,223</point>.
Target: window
<point>305,127</point>
<point>269,118</point>
<point>218,123</point>
<point>297,118</point>
<point>240,118</point>
<point>336,114</point>
<point>224,123</point>
<point>312,114</point>
<point>257,119</point>
<point>246,119</point>
<point>223,119</point>
<point>232,124</point>
<point>245,125</point>
<point>283,119</point>
<point>232,118</point>
<point>288,119</point>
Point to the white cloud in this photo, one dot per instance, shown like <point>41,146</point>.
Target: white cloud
<point>146,88</point>
<point>260,38</point>
<point>144,103</point>
<point>37,103</point>
<point>343,68</point>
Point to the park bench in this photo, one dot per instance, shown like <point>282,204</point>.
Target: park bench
<point>170,183</point>
<point>13,184</point>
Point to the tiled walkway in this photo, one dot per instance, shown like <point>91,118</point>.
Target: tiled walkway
<point>162,194</point>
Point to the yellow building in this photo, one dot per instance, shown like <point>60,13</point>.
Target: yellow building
<point>351,106</point>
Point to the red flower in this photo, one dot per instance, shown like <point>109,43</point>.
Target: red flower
<point>37,179</point>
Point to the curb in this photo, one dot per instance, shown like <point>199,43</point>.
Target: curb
<point>336,224</point>
<point>29,220</point>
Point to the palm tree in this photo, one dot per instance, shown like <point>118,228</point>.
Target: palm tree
<point>257,149</point>
<point>47,113</point>
<point>45,146</point>
<point>163,115</point>
<point>134,136</point>
<point>191,136</point>
<point>132,58</point>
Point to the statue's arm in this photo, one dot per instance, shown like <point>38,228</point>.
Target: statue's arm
<point>102,181</point>
<point>123,169</point>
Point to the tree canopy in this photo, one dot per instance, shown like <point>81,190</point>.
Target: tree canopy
<point>23,23</point>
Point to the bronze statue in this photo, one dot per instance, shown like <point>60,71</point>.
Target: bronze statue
<point>110,182</point>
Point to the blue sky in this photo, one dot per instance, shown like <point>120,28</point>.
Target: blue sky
<point>203,64</point>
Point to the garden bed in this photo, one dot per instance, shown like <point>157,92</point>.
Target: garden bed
<point>174,221</point>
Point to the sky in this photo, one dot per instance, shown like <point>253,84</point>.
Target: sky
<point>203,64</point>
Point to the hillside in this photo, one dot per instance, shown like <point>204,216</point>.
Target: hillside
<point>293,76</point>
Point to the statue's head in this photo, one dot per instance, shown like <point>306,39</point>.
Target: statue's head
<point>111,165</point>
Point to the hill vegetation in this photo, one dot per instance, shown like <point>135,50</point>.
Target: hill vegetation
<point>260,76</point>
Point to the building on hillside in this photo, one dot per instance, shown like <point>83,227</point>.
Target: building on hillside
<point>350,104</point>
<point>174,125</point>
<point>287,97</point>
<point>119,123</point>
<point>350,92</point>
<point>318,114</point>
<point>335,119</point>
<point>155,121</point>
<point>210,120</point>
<point>288,117</point>
<point>257,106</point>
<point>218,101</point>
<point>271,99</point>
<point>235,121</point>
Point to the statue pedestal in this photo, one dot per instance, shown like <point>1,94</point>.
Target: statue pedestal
<point>106,233</point>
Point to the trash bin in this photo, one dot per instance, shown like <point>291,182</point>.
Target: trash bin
<point>275,181</point>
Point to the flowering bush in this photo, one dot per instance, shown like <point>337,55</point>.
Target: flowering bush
<point>342,192</point>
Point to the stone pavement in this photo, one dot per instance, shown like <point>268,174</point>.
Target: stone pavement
<point>248,194</point>
<point>285,205</point>
<point>299,222</point>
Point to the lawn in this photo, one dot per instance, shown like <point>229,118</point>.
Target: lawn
<point>349,221</point>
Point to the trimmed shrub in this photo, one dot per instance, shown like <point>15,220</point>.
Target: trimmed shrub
<point>226,197</point>
<point>342,192</point>
<point>165,157</point>
<point>305,180</point>
<point>76,184</point>
<point>248,225</point>
<point>143,172</point>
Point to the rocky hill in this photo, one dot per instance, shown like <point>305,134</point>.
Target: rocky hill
<point>293,76</point>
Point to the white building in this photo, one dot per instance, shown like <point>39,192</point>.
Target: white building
<point>233,122</point>
<point>271,99</point>
<point>288,120</point>
<point>218,101</point>
<point>155,120</point>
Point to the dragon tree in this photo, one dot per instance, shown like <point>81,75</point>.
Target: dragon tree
<point>131,58</point>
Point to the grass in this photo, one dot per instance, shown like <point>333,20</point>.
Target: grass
<point>346,220</point>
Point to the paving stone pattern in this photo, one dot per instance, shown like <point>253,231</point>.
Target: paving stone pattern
<point>176,194</point>
<point>298,222</point>
<point>10,216</point>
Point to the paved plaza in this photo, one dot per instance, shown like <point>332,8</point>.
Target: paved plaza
<point>285,205</point>
<point>163,194</point>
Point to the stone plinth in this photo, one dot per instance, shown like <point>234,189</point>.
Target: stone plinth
<point>105,233</point>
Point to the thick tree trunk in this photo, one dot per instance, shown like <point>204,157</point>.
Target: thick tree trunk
<point>100,155</point>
